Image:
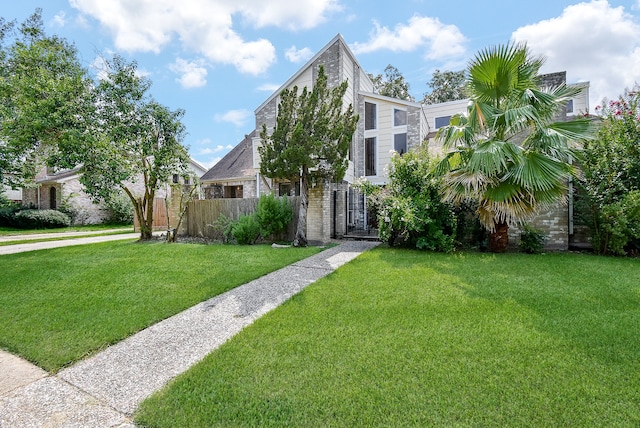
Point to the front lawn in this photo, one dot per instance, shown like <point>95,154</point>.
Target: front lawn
<point>402,338</point>
<point>57,306</point>
<point>4,230</point>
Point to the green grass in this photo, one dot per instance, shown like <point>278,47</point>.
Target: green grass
<point>401,338</point>
<point>24,240</point>
<point>86,228</point>
<point>57,306</point>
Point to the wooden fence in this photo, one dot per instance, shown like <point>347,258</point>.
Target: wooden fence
<point>202,215</point>
<point>160,218</point>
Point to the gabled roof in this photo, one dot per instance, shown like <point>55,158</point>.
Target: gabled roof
<point>237,164</point>
<point>308,64</point>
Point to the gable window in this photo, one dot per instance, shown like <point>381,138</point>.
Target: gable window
<point>399,117</point>
<point>370,114</point>
<point>442,121</point>
<point>400,143</point>
<point>370,156</point>
<point>570,107</point>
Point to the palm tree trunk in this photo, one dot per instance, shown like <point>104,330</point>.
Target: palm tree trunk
<point>499,238</point>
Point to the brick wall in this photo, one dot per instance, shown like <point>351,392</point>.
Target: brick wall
<point>554,223</point>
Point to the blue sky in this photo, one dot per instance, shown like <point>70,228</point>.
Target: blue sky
<point>220,59</point>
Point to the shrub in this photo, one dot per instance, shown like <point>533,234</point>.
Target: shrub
<point>410,209</point>
<point>618,226</point>
<point>273,215</point>
<point>222,229</point>
<point>42,219</point>
<point>120,209</point>
<point>246,230</point>
<point>8,215</point>
<point>532,240</point>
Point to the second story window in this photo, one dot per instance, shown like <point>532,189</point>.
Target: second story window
<point>370,114</point>
<point>442,121</point>
<point>399,117</point>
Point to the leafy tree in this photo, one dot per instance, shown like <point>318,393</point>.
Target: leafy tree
<point>507,152</point>
<point>446,86</point>
<point>43,97</point>
<point>611,165</point>
<point>392,84</point>
<point>310,140</point>
<point>133,137</point>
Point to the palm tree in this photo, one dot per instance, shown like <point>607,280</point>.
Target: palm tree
<point>508,152</point>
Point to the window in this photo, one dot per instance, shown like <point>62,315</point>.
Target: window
<point>176,179</point>
<point>369,156</point>
<point>442,121</point>
<point>570,107</point>
<point>400,143</point>
<point>370,116</point>
<point>233,191</point>
<point>399,117</point>
<point>289,189</point>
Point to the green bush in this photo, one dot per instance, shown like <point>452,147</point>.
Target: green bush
<point>273,215</point>
<point>246,230</point>
<point>618,226</point>
<point>120,209</point>
<point>410,209</point>
<point>42,219</point>
<point>222,229</point>
<point>531,240</point>
<point>8,215</point>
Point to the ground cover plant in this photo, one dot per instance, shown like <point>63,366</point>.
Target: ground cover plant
<point>405,338</point>
<point>57,306</point>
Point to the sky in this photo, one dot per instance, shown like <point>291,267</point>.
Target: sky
<point>220,59</point>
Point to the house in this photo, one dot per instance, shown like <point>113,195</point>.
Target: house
<point>386,125</point>
<point>53,189</point>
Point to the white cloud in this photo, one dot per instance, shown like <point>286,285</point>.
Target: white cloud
<point>421,32</point>
<point>205,27</point>
<point>59,20</point>
<point>269,87</point>
<point>192,74</point>
<point>296,55</point>
<point>237,117</point>
<point>593,42</point>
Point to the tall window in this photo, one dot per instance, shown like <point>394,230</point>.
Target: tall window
<point>569,106</point>
<point>399,117</point>
<point>369,116</point>
<point>442,121</point>
<point>369,156</point>
<point>400,143</point>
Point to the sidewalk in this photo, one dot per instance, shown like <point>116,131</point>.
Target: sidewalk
<point>104,390</point>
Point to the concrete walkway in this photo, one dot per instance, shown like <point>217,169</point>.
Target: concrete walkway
<point>104,390</point>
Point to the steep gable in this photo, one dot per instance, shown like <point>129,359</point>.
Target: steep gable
<point>237,164</point>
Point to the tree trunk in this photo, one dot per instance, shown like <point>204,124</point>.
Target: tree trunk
<point>301,232</point>
<point>499,238</point>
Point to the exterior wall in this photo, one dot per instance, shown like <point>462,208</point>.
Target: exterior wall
<point>327,212</point>
<point>216,190</point>
<point>384,133</point>
<point>554,223</point>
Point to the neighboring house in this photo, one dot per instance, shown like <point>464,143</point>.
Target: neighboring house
<point>62,189</point>
<point>12,194</point>
<point>386,124</point>
<point>234,175</point>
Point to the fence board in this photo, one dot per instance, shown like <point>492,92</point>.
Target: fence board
<point>202,214</point>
